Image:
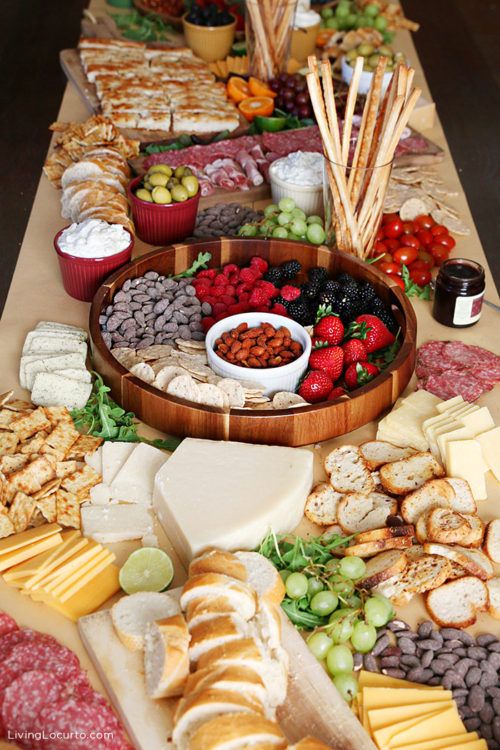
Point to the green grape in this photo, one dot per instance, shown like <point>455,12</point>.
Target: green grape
<point>280,233</point>
<point>313,219</point>
<point>369,23</point>
<point>298,213</point>
<point>296,585</point>
<point>332,566</point>
<point>341,624</point>
<point>324,603</point>
<point>341,585</point>
<point>352,567</point>
<point>353,601</point>
<point>284,218</point>
<point>377,613</point>
<point>319,644</point>
<point>351,20</point>
<point>347,685</point>
<point>315,234</point>
<point>327,13</point>
<point>363,637</point>
<point>361,22</point>
<point>286,204</point>
<point>314,586</point>
<point>342,11</point>
<point>332,23</point>
<point>339,660</point>
<point>248,230</point>
<point>386,51</point>
<point>284,574</point>
<point>271,209</point>
<point>371,10</point>
<point>298,227</point>
<point>380,23</point>
<point>267,227</point>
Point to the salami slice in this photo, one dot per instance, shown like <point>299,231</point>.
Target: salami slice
<point>76,725</point>
<point>9,640</point>
<point>25,698</point>
<point>7,624</point>
<point>468,356</point>
<point>429,354</point>
<point>46,654</point>
<point>455,383</point>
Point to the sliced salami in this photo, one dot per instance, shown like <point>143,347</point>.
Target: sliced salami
<point>7,624</point>
<point>46,654</point>
<point>76,725</point>
<point>468,356</point>
<point>25,698</point>
<point>455,383</point>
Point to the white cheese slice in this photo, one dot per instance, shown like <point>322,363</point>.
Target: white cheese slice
<point>55,390</point>
<point>229,495</point>
<point>490,445</point>
<point>114,456</point>
<point>49,325</point>
<point>449,404</point>
<point>458,433</point>
<point>100,494</point>
<point>464,459</point>
<point>46,362</point>
<point>479,421</point>
<point>135,481</point>
<point>454,411</point>
<point>82,375</point>
<point>95,460</point>
<point>404,438</point>
<point>423,401</point>
<point>115,523</point>
<point>43,343</point>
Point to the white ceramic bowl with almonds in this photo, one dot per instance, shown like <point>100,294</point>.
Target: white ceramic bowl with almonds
<point>272,379</point>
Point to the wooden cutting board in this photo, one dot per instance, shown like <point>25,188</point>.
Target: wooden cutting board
<point>313,705</point>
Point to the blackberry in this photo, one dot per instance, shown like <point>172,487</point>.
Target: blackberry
<point>319,274</point>
<point>388,319</point>
<point>279,300</point>
<point>274,275</point>
<point>310,289</point>
<point>345,278</point>
<point>350,288</point>
<point>332,288</point>
<point>366,292</point>
<point>290,269</point>
<point>300,311</point>
<point>346,308</point>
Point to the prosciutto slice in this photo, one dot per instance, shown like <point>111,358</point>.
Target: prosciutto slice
<point>235,172</point>
<point>218,176</point>
<point>249,164</point>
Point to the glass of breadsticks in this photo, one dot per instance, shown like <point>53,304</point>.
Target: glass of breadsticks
<point>268,26</point>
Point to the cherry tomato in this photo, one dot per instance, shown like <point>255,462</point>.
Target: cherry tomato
<point>425,237</point>
<point>394,228</point>
<point>409,240</point>
<point>420,276</point>
<point>438,229</point>
<point>405,255</point>
<point>440,253</point>
<point>380,235</point>
<point>386,218</point>
<point>427,258</point>
<point>399,281</point>
<point>446,240</point>
<point>391,269</point>
<point>385,258</point>
<point>392,245</point>
<point>379,247</point>
<point>408,227</point>
<point>418,265</point>
<point>424,221</point>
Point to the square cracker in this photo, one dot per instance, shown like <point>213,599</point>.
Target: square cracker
<point>27,425</point>
<point>48,489</point>
<point>6,525</point>
<point>61,440</point>
<point>6,418</point>
<point>21,511</point>
<point>57,414</point>
<point>14,462</point>
<point>84,446</point>
<point>34,444</point>
<point>8,443</point>
<point>68,509</point>
<point>38,519</point>
<point>80,482</point>
<point>29,479</point>
<point>48,507</point>
<point>64,468</point>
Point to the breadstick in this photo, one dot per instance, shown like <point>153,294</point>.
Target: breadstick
<point>349,112</point>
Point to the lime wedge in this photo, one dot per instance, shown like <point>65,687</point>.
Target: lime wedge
<point>147,569</point>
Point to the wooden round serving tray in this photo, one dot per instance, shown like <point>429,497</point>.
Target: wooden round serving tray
<point>293,427</point>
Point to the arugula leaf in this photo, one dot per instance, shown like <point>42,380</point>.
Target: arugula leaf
<point>200,262</point>
<point>302,619</point>
<point>412,289</point>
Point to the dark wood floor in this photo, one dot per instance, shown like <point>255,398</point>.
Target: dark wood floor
<point>458,47</point>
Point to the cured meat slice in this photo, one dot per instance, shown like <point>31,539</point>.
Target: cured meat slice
<point>26,696</point>
<point>76,725</point>
<point>430,353</point>
<point>455,383</point>
<point>468,356</point>
<point>46,654</point>
<point>7,624</point>
<point>249,164</point>
<point>9,640</point>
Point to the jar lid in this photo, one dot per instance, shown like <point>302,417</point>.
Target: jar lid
<point>460,272</point>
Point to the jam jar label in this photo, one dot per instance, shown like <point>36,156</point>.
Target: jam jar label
<point>468,309</point>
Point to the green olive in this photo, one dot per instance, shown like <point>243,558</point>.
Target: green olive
<point>191,184</point>
<point>144,195</point>
<point>373,60</point>
<point>352,55</point>
<point>179,172</point>
<point>187,172</point>
<point>147,185</point>
<point>385,50</point>
<point>173,181</point>
<point>162,168</point>
<point>161,195</point>
<point>158,179</point>
<point>179,194</point>
<point>366,50</point>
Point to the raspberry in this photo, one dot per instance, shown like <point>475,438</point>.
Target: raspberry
<point>211,299</point>
<point>290,292</point>
<point>279,309</point>
<point>207,273</point>
<point>220,280</point>
<point>243,288</point>
<point>259,263</point>
<point>267,288</point>
<point>263,308</point>
<point>249,275</point>
<point>228,299</point>
<point>238,308</point>
<point>230,268</point>
<point>218,308</point>
<point>244,297</point>
<point>259,298</point>
<point>222,315</point>
<point>219,291</point>
<point>207,323</point>
<point>231,290</point>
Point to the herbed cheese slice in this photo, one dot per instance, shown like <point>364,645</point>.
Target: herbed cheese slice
<point>55,390</point>
<point>228,494</point>
<point>134,482</point>
<point>490,446</point>
<point>47,343</point>
<point>464,459</point>
<point>114,456</point>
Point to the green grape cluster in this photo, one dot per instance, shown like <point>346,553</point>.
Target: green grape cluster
<point>286,222</point>
<point>347,16</point>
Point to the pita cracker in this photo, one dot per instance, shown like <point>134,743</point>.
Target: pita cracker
<point>64,468</point>
<point>234,392</point>
<point>85,446</point>
<point>143,371</point>
<point>47,507</point>
<point>34,444</point>
<point>455,225</point>
<point>286,399</point>
<point>57,414</point>
<point>21,511</point>
<point>166,374</point>
<point>80,482</point>
<point>191,344</point>
<point>126,357</point>
<point>5,397</point>
<point>155,351</point>
<point>11,463</point>
<point>48,489</point>
<point>183,386</point>
<point>8,443</point>
<point>61,440</point>
<point>19,405</point>
<point>38,519</point>
<point>6,525</point>
<point>68,509</point>
<point>6,418</point>
<point>210,395</point>
<point>27,425</point>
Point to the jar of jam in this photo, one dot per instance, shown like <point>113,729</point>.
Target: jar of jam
<point>459,292</point>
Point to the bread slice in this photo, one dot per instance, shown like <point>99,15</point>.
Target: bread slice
<point>233,678</point>
<point>309,743</point>
<point>378,452</point>
<point>474,561</point>
<point>372,548</point>
<point>492,540</point>
<point>436,493</point>
<point>463,500</point>
<point>207,585</point>
<point>446,526</point>
<point>475,535</point>
<point>421,574</point>
<point>166,658</point>
<point>262,576</point>
<point>456,571</point>
<point>238,731</point>
<point>218,561</point>
<point>203,610</point>
<point>348,471</point>
<point>215,632</point>
<point>387,532</point>
<point>406,475</point>
<point>322,504</point>
<point>131,615</point>
<point>456,604</point>
<point>493,586</point>
<point>382,567</point>
<point>414,552</point>
<point>363,512</point>
<point>421,528</point>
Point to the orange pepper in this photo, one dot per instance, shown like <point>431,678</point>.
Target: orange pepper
<point>260,88</point>
<point>256,105</point>
<point>237,89</point>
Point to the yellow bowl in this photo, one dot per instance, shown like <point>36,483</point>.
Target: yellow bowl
<point>211,43</point>
<point>304,42</point>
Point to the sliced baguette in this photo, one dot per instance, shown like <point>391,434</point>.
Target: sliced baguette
<point>387,532</point>
<point>421,574</point>
<point>218,561</point>
<point>322,504</point>
<point>493,586</point>
<point>406,475</point>
<point>382,567</point>
<point>474,561</point>
<point>360,512</point>
<point>414,552</point>
<point>492,540</point>
<point>215,632</point>
<point>421,528</point>
<point>446,526</point>
<point>236,679</point>
<point>238,731</point>
<point>456,571</point>
<point>476,533</point>
<point>378,452</point>
<point>456,604</point>
<point>463,500</point>
<point>131,614</point>
<point>203,610</point>
<point>309,743</point>
<point>166,658</point>
<point>433,494</point>
<point>207,585</point>
<point>348,471</point>
<point>262,576</point>
<point>372,548</point>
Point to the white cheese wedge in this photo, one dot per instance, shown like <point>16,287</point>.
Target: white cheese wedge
<point>229,495</point>
<point>464,459</point>
<point>95,460</point>
<point>490,446</point>
<point>449,404</point>
<point>115,523</point>
<point>135,481</point>
<point>114,456</point>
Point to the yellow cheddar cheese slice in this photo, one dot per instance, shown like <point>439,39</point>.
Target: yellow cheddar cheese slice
<point>91,596</point>
<point>62,586</point>
<point>73,543</point>
<point>39,562</point>
<point>15,541</point>
<point>377,697</point>
<point>443,742</point>
<point>52,579</point>
<point>379,718</point>
<point>476,745</point>
<point>86,577</point>
<point>376,679</point>
<point>21,554</point>
<point>439,724</point>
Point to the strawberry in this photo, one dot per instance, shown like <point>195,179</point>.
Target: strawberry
<point>290,292</point>
<point>359,373</point>
<point>329,359</point>
<point>316,386</point>
<point>372,331</point>
<point>354,351</point>
<point>328,326</point>
<point>336,393</point>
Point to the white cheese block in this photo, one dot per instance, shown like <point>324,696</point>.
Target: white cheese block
<point>479,421</point>
<point>95,460</point>
<point>457,433</point>
<point>55,390</point>
<point>490,446</point>
<point>229,495</point>
<point>100,494</point>
<point>115,523</point>
<point>449,404</point>
<point>46,362</point>
<point>42,343</point>
<point>464,459</point>
<point>114,456</point>
<point>49,325</point>
<point>82,375</point>
<point>135,481</point>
